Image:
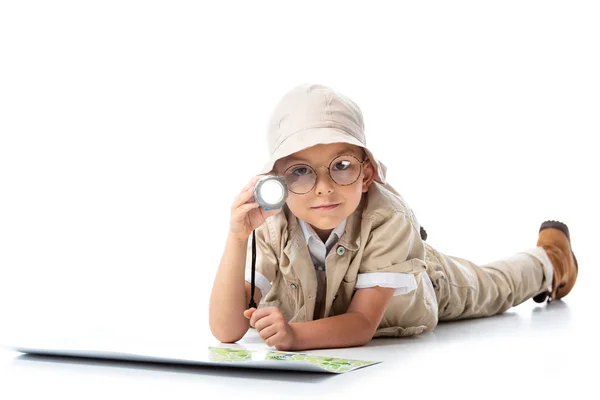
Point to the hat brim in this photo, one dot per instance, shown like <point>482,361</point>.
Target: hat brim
<point>314,136</point>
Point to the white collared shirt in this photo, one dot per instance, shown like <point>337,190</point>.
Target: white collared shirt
<point>318,251</point>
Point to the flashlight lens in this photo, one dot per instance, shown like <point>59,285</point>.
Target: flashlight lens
<point>271,191</point>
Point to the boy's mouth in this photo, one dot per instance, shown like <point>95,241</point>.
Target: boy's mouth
<point>326,206</point>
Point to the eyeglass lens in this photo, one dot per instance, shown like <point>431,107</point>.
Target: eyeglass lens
<point>301,178</point>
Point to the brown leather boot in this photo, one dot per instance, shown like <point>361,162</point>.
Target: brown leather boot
<point>555,239</point>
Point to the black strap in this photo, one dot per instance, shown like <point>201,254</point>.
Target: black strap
<point>252,285</point>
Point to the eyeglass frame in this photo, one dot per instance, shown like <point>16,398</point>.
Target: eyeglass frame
<point>361,163</point>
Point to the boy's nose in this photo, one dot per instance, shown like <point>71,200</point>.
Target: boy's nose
<point>324,183</point>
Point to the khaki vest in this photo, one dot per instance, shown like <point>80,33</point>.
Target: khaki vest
<point>381,235</point>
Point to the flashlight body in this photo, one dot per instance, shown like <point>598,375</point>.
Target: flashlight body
<point>270,192</point>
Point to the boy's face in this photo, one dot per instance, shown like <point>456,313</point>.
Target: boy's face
<point>325,190</point>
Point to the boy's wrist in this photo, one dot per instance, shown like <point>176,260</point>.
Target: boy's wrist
<point>236,238</point>
<point>295,343</point>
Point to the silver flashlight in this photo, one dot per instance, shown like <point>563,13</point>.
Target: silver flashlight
<point>271,192</point>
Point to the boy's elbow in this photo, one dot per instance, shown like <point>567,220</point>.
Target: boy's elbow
<point>368,336</point>
<point>362,339</point>
<point>228,339</point>
<point>367,332</point>
<point>227,335</point>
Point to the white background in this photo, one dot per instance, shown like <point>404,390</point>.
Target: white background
<point>127,128</point>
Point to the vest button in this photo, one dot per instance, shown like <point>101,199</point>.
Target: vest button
<point>340,250</point>
<point>294,286</point>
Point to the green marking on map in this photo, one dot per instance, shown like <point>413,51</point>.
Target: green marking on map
<point>228,355</point>
<point>331,364</point>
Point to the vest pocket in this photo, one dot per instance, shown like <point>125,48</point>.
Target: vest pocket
<point>300,315</point>
<point>343,297</point>
<point>289,293</point>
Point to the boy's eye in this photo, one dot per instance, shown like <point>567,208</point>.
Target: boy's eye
<point>300,171</point>
<point>342,165</point>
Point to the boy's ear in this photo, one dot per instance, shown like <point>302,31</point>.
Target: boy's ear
<point>368,175</point>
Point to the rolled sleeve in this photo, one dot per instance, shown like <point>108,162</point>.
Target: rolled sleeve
<point>266,261</point>
<point>403,283</point>
<point>393,256</point>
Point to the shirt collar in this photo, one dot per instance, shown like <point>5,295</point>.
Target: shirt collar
<point>310,232</point>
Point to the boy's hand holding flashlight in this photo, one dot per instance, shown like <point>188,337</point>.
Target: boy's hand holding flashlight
<point>247,214</point>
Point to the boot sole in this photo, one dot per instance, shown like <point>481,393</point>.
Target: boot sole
<point>564,229</point>
<point>540,298</point>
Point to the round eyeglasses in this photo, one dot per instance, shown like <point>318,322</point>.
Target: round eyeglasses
<point>344,170</point>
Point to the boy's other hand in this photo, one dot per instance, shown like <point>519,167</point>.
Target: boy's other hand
<point>246,214</point>
<point>272,327</point>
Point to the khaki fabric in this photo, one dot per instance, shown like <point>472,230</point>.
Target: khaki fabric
<point>312,114</point>
<point>467,290</point>
<point>382,235</point>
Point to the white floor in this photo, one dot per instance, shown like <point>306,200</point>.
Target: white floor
<point>121,150</point>
<point>533,351</point>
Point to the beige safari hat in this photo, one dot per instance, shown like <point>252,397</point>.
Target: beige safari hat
<point>309,115</point>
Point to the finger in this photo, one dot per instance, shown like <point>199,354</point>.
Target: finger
<point>261,313</point>
<point>267,332</point>
<point>248,313</point>
<point>248,186</point>
<point>245,208</point>
<point>264,322</point>
<point>275,339</point>
<point>243,197</point>
<point>258,314</point>
<point>247,192</point>
<point>252,182</point>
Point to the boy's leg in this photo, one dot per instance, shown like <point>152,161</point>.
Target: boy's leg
<point>468,290</point>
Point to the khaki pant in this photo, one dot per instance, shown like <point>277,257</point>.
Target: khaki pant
<point>467,290</point>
